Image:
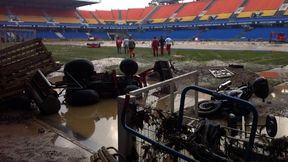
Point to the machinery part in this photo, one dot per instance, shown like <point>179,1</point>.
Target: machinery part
<point>271,125</point>
<point>261,87</point>
<point>81,97</point>
<point>129,88</point>
<point>79,69</point>
<point>50,105</point>
<point>129,67</point>
<point>208,107</point>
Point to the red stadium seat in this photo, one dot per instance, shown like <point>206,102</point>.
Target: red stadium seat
<point>88,16</point>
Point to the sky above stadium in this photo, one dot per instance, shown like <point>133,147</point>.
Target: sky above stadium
<point>118,4</point>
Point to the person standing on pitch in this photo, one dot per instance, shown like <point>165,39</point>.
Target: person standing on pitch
<point>169,43</point>
<point>162,44</point>
<point>118,44</point>
<point>131,46</point>
<point>125,45</point>
<point>155,46</point>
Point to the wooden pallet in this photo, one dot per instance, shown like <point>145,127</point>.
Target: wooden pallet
<point>103,155</point>
<point>20,62</point>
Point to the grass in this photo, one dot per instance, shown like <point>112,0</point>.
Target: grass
<point>69,52</point>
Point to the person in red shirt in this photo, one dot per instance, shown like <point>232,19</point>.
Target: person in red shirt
<point>155,45</point>
<point>118,44</point>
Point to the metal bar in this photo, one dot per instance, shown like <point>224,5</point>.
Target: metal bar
<point>166,82</point>
<point>157,144</point>
<point>229,98</point>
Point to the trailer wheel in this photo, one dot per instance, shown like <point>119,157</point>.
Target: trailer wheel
<point>82,97</point>
<point>208,108</point>
<point>271,125</point>
<point>79,68</point>
<point>129,67</point>
<point>51,105</point>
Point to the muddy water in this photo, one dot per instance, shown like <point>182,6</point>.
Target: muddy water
<point>93,126</point>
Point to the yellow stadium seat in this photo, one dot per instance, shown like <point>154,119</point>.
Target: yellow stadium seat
<point>3,18</point>
<point>91,21</point>
<point>173,19</point>
<point>286,13</point>
<point>187,18</point>
<point>268,12</point>
<point>66,20</point>
<point>223,16</point>
<point>32,19</point>
<point>158,20</point>
<point>205,17</point>
<point>244,14</point>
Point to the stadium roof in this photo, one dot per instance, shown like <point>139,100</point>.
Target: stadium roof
<point>48,3</point>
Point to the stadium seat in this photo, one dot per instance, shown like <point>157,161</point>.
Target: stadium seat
<point>223,16</point>
<point>27,14</point>
<point>137,14</point>
<point>3,18</point>
<point>191,10</point>
<point>286,13</point>
<point>88,17</point>
<point>106,16</point>
<point>164,12</point>
<point>63,16</point>
<point>268,12</point>
<point>245,14</point>
<point>220,9</point>
<point>221,34</point>
<point>266,7</point>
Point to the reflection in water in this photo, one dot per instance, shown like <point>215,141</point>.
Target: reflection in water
<point>94,125</point>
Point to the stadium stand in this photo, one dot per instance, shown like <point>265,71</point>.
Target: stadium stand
<point>265,8</point>
<point>263,34</point>
<point>26,14</point>
<point>3,16</point>
<point>74,35</point>
<point>88,17</point>
<point>133,15</point>
<point>63,15</point>
<point>105,16</point>
<point>100,35</point>
<point>191,10</point>
<point>164,12</point>
<point>46,35</point>
<point>220,9</point>
<point>220,34</point>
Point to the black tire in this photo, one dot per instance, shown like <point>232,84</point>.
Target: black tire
<point>129,88</point>
<point>129,67</point>
<point>79,69</point>
<point>50,105</point>
<point>271,125</point>
<point>82,97</point>
<point>208,108</point>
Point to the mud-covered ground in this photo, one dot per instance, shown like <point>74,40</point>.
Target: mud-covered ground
<point>23,139</point>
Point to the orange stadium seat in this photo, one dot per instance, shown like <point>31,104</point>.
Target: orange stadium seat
<point>191,10</point>
<point>3,16</point>
<point>104,16</point>
<point>221,10</point>
<point>164,12</point>
<point>266,7</point>
<point>28,14</point>
<point>63,15</point>
<point>88,16</point>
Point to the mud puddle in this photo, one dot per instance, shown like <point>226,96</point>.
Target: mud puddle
<point>93,126</point>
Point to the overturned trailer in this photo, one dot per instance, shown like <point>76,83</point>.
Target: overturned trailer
<point>22,70</point>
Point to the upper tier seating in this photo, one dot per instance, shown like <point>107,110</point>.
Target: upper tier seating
<point>266,7</point>
<point>136,14</point>
<point>164,12</point>
<point>28,14</point>
<point>191,10</point>
<point>88,16</point>
<point>63,15</point>
<point>105,16</point>
<point>220,9</point>
<point>3,16</point>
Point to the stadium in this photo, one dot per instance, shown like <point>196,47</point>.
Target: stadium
<point>67,94</point>
<point>206,20</point>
